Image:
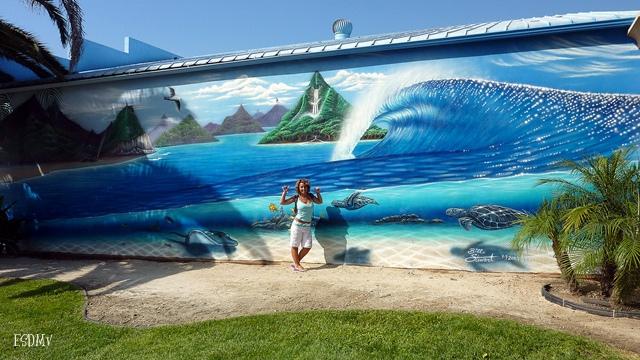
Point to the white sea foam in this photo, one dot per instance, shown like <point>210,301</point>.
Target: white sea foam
<point>366,106</point>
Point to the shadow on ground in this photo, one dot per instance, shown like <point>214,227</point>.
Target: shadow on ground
<point>122,275</point>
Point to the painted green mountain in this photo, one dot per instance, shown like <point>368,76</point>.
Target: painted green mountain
<point>188,131</point>
<point>301,124</point>
<point>125,135</point>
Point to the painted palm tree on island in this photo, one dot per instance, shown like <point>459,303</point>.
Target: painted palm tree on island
<point>22,47</point>
<point>600,222</point>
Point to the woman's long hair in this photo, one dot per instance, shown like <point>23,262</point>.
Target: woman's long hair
<point>304,181</point>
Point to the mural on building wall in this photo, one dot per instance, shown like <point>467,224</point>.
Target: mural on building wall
<point>421,164</point>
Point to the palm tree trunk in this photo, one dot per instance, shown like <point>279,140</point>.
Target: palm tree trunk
<point>564,263</point>
<point>608,277</point>
<point>609,266</point>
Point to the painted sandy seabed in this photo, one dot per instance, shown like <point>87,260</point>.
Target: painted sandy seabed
<point>341,236</point>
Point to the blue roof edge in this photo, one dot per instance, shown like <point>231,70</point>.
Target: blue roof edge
<point>167,67</point>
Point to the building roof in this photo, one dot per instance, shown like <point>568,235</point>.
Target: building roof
<point>363,44</point>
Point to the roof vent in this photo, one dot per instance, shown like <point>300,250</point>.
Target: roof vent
<point>342,29</point>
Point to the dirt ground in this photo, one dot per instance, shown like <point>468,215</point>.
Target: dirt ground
<point>145,293</point>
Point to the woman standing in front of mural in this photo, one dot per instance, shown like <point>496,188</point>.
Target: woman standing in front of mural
<point>301,224</point>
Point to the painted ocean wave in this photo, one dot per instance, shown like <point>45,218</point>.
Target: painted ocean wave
<point>439,131</point>
<point>534,126</point>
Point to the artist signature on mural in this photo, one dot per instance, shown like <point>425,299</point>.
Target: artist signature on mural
<point>477,255</point>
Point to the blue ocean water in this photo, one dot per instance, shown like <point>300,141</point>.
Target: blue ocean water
<point>172,177</point>
<point>348,236</point>
<point>427,200</point>
<point>440,132</point>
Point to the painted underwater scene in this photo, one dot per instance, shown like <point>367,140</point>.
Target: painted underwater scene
<point>429,171</point>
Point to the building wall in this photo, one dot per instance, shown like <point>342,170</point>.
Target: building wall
<point>424,157</point>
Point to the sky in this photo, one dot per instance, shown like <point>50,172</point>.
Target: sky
<point>200,27</point>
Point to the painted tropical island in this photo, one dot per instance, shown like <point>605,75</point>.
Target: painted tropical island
<point>188,131</point>
<point>317,116</point>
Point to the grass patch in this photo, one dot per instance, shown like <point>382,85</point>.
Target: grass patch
<point>54,308</point>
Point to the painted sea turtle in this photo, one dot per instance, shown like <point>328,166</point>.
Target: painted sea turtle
<point>486,217</point>
<point>354,201</point>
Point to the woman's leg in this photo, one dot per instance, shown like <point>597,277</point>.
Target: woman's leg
<point>295,256</point>
<point>306,243</point>
<point>295,240</point>
<point>303,253</point>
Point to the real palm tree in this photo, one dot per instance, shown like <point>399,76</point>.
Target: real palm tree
<point>627,254</point>
<point>600,226</point>
<point>544,226</point>
<point>22,47</point>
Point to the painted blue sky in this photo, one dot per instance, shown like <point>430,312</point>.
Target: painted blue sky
<point>198,27</point>
<point>603,69</point>
<point>211,102</point>
<point>606,68</point>
<point>610,68</point>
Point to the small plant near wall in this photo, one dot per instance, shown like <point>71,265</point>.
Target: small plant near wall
<point>593,225</point>
<point>10,230</point>
<point>545,226</point>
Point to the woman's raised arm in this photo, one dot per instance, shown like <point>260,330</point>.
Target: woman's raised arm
<point>318,198</point>
<point>283,197</point>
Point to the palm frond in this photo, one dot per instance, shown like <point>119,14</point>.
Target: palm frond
<point>628,253</point>
<point>25,61</point>
<point>589,262</point>
<point>18,41</point>
<point>56,16</point>
<point>539,227</point>
<point>69,27</point>
<point>627,278</point>
<point>576,218</point>
<point>571,194</point>
<point>74,14</point>
<point>544,228</point>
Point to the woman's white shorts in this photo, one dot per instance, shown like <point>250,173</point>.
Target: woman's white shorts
<point>300,235</point>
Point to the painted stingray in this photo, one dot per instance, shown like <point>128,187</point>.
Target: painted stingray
<point>218,238</point>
